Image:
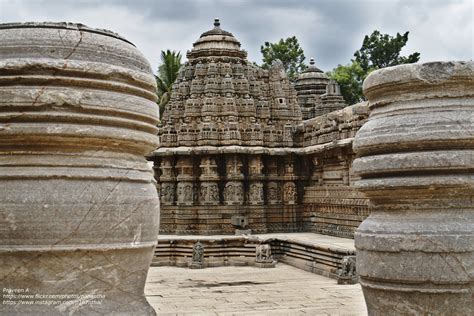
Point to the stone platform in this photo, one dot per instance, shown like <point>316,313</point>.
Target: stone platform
<point>320,254</point>
<point>283,290</point>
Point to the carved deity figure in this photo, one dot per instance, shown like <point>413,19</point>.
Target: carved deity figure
<point>233,193</point>
<point>290,193</point>
<point>198,253</point>
<point>167,193</point>
<point>273,192</point>
<point>348,268</point>
<point>256,192</point>
<point>263,253</point>
<point>188,193</point>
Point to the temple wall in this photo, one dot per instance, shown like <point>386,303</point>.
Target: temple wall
<point>331,205</point>
<point>237,154</point>
<point>204,189</point>
<point>204,194</point>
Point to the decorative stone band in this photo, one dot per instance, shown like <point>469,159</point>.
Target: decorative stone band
<point>257,150</point>
<point>416,161</point>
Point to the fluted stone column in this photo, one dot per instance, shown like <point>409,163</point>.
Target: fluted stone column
<point>416,161</point>
<point>79,212</point>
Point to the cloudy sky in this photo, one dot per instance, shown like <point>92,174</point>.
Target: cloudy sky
<point>328,30</point>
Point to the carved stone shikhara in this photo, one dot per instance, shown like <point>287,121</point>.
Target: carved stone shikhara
<point>317,95</point>
<point>415,250</point>
<point>245,124</point>
<point>79,211</point>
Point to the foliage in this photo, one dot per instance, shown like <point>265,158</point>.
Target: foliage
<point>382,50</point>
<point>170,63</point>
<point>377,51</point>
<point>349,78</point>
<point>289,52</point>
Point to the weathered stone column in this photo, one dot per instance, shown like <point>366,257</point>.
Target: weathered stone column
<point>79,210</point>
<point>416,161</point>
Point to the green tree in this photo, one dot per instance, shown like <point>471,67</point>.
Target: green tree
<point>377,51</point>
<point>170,63</point>
<point>382,50</point>
<point>289,52</point>
<point>349,78</point>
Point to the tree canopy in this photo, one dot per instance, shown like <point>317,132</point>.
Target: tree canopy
<point>289,52</point>
<point>170,63</point>
<point>377,51</point>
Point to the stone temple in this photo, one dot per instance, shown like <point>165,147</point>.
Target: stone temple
<point>251,170</point>
<point>237,142</point>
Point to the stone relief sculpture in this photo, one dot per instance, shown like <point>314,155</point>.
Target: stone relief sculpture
<point>263,256</point>
<point>289,190</point>
<point>198,256</point>
<point>347,274</point>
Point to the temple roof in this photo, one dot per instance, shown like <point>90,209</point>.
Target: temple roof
<point>216,42</point>
<point>312,75</point>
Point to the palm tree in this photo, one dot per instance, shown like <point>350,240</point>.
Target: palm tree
<point>167,73</point>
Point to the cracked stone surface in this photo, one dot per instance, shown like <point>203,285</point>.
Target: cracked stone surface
<point>283,290</point>
<point>79,214</point>
<point>415,252</point>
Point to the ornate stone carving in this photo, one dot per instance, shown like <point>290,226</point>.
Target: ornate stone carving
<point>415,165</point>
<point>233,115</point>
<point>256,193</point>
<point>198,256</point>
<point>263,256</point>
<point>234,193</point>
<point>289,193</point>
<point>209,193</point>
<point>167,193</point>
<point>274,193</point>
<point>347,274</point>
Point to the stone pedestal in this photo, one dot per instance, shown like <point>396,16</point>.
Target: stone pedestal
<point>415,250</point>
<point>79,211</point>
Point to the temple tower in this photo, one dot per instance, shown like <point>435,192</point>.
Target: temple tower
<point>224,120</point>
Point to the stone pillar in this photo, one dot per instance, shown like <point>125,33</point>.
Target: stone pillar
<point>255,178</point>
<point>255,194</point>
<point>234,189</point>
<point>209,191</point>
<point>289,187</point>
<point>415,250</point>
<point>79,211</point>
<point>168,182</point>
<point>185,179</point>
<point>273,185</point>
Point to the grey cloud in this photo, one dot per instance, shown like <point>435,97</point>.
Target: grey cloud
<point>329,30</point>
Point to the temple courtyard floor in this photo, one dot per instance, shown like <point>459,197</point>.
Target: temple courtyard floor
<point>283,290</point>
